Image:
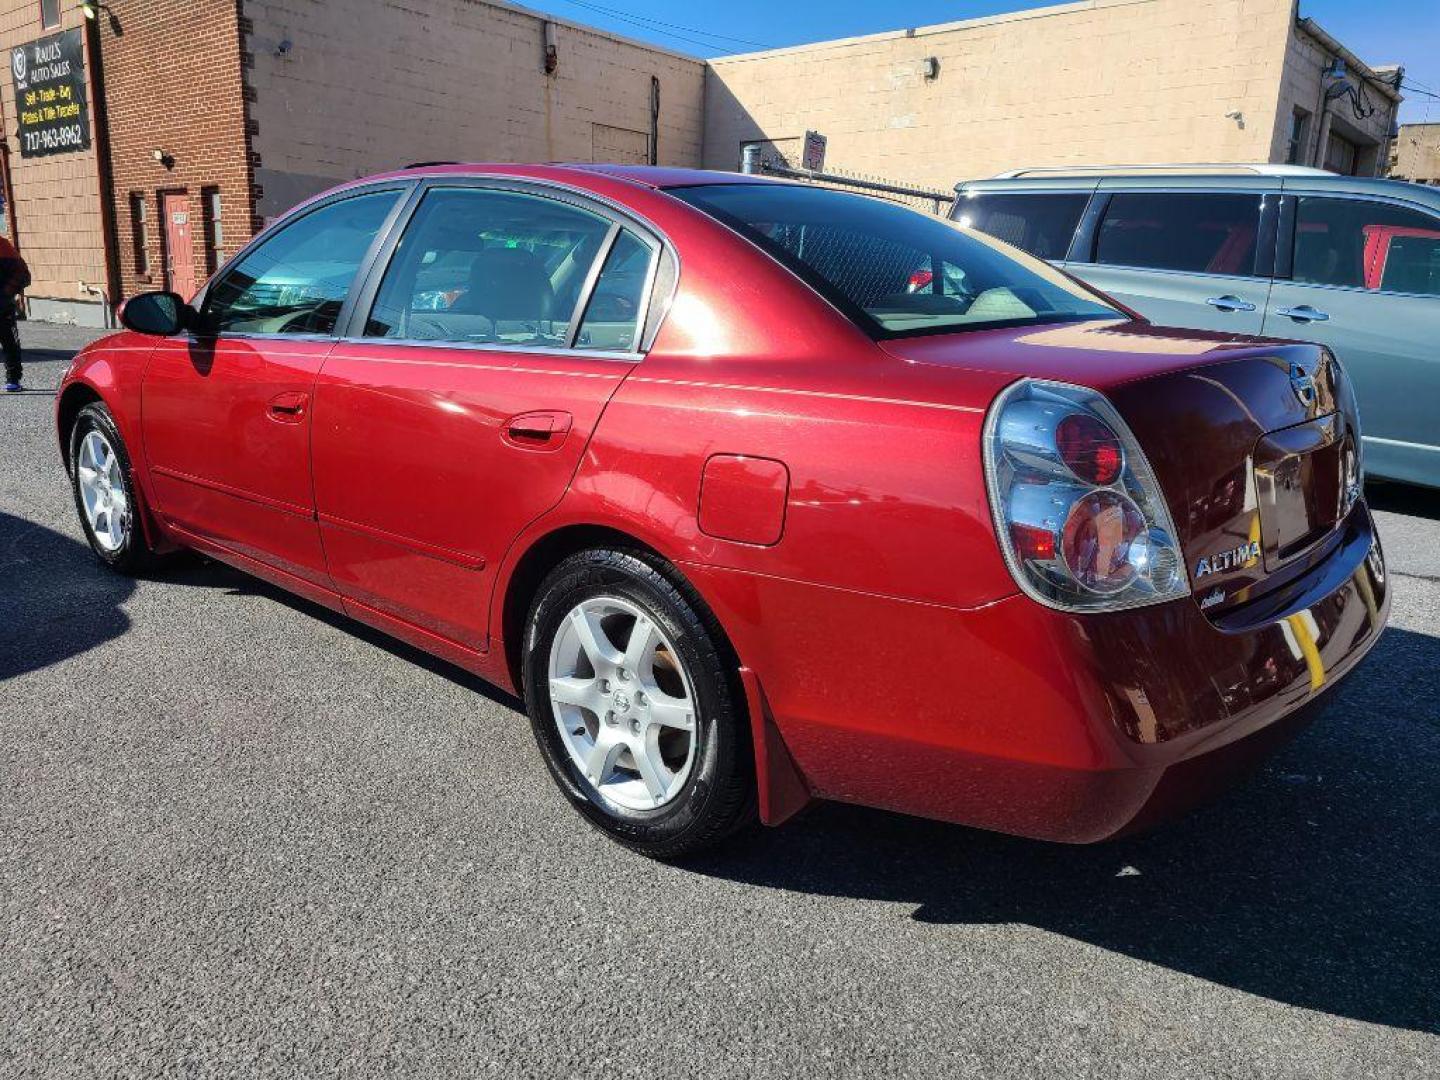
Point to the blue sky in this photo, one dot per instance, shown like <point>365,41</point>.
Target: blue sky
<point>1379,31</point>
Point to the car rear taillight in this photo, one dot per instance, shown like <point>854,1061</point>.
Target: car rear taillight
<point>1077,509</point>
<point>1090,449</point>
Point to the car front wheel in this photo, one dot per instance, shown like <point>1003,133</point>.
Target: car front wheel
<point>637,712</point>
<point>105,494</point>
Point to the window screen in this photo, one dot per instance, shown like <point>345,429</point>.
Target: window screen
<point>1042,224</point>
<point>1200,233</point>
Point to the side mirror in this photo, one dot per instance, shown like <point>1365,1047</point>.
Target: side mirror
<point>161,313</point>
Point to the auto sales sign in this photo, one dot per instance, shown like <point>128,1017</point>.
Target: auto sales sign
<point>49,77</point>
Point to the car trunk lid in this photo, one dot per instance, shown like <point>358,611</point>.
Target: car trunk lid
<point>1247,439</point>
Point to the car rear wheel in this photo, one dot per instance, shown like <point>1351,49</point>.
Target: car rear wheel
<point>637,713</point>
<point>105,495</point>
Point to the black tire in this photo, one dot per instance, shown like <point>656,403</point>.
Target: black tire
<point>718,796</point>
<point>134,555</point>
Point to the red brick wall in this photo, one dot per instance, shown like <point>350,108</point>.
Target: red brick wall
<point>174,81</point>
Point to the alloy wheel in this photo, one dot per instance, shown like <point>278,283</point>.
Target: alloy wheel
<point>623,703</point>
<point>102,492</point>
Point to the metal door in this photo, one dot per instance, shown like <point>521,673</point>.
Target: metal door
<point>179,252</point>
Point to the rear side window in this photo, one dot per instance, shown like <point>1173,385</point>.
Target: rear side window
<point>1359,244</point>
<point>1042,224</point>
<point>492,267</point>
<point>612,314</point>
<point>1198,234</point>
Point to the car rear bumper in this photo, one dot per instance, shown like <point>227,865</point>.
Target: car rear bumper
<point>1024,720</point>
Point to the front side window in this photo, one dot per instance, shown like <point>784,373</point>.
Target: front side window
<point>488,267</point>
<point>49,13</point>
<point>896,272</point>
<point>296,281</point>
<point>1359,244</point>
<point>1042,224</point>
<point>1195,233</point>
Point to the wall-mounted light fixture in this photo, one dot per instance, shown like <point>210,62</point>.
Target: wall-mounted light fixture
<point>930,68</point>
<point>91,9</point>
<point>168,160</point>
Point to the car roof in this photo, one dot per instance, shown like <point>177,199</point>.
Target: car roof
<point>651,176</point>
<point>663,176</point>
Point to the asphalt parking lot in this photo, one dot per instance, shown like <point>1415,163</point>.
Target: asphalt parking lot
<point>240,836</point>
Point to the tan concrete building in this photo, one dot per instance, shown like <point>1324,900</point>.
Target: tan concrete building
<point>1416,154</point>
<point>205,119</point>
<point>1099,81</point>
<point>346,89</point>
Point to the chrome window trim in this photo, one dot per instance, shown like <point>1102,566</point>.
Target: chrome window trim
<point>611,210</point>
<point>393,228</point>
<point>491,347</point>
<point>1082,268</point>
<point>246,335</point>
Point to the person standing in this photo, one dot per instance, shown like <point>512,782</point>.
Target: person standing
<point>14,278</point>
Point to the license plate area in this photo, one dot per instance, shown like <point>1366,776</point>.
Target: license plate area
<point>1299,486</point>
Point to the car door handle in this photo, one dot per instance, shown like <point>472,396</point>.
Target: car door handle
<point>544,430</point>
<point>1303,313</point>
<point>289,408</point>
<point>1230,303</point>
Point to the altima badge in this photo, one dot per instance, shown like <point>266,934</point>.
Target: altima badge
<point>1228,560</point>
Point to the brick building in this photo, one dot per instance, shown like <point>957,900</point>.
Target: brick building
<point>146,140</point>
<point>206,118</point>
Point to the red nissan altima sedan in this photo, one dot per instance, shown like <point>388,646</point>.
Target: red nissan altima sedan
<point>757,492</point>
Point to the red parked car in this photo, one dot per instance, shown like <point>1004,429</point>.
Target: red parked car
<point>748,516</point>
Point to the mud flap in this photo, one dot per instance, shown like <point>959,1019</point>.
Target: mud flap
<point>783,791</point>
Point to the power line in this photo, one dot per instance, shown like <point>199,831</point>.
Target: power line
<point>653,25</point>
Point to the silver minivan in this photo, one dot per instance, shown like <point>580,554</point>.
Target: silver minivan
<point>1278,250</point>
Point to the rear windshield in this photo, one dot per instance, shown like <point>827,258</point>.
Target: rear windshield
<point>896,272</point>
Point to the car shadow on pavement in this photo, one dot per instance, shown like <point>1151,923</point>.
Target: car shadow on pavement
<point>56,598</point>
<point>195,571</point>
<point>1316,884</point>
<point>1404,499</point>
